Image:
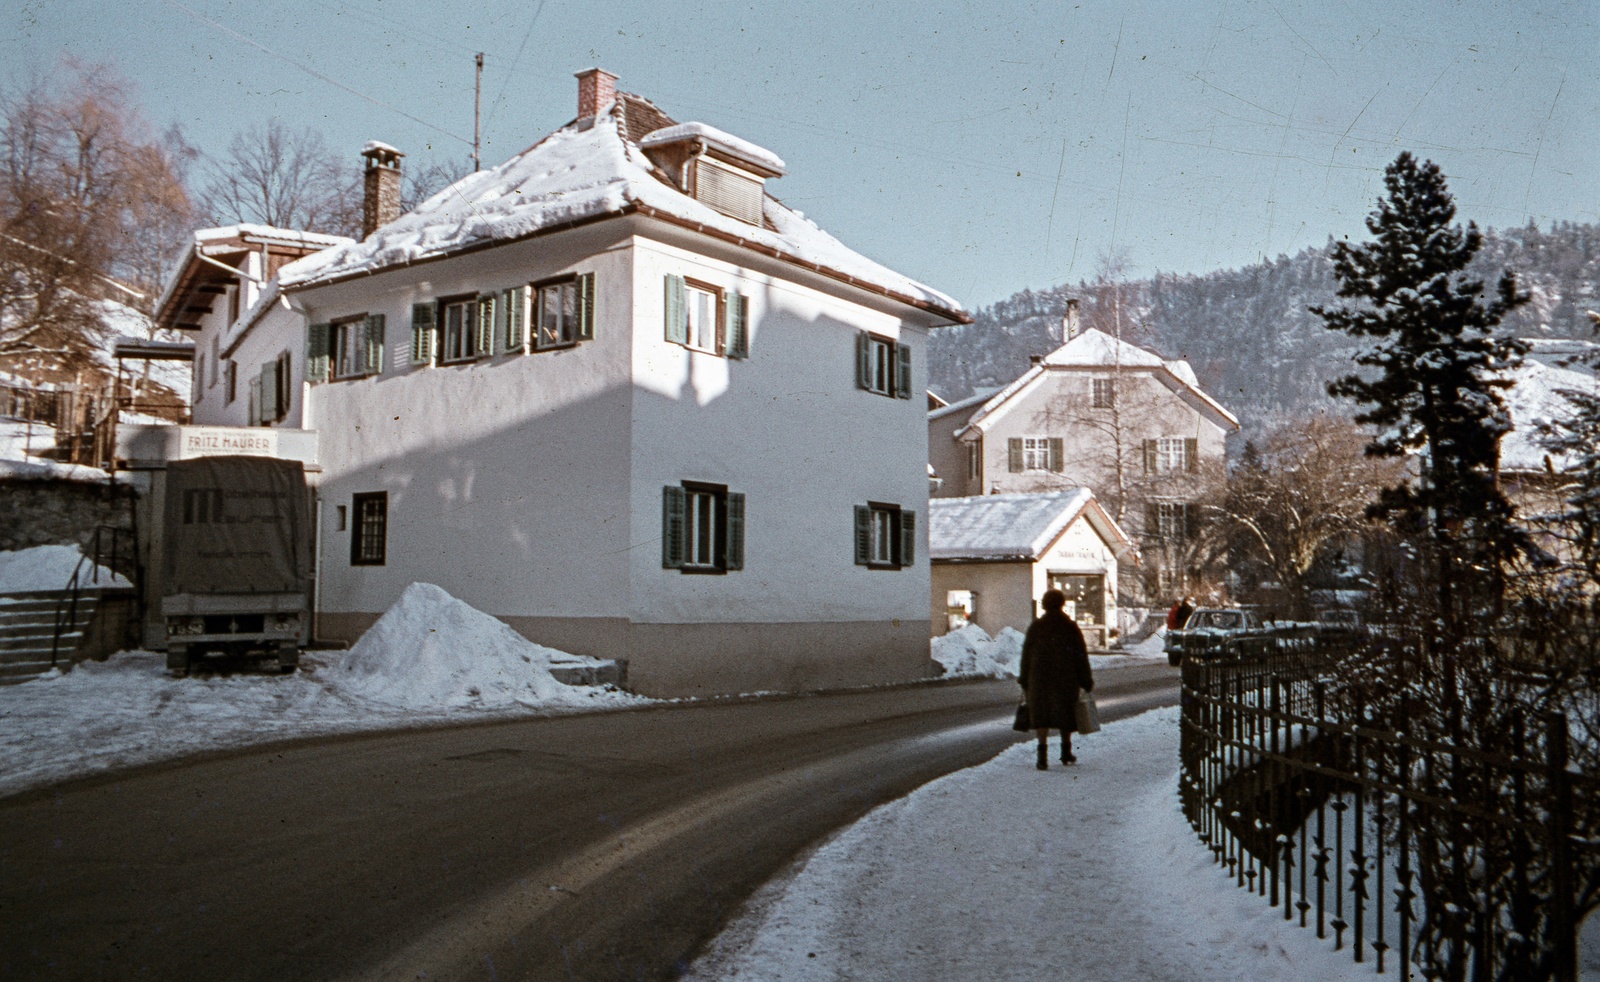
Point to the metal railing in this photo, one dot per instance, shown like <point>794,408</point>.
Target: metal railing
<point>1445,853</point>
<point>112,549</point>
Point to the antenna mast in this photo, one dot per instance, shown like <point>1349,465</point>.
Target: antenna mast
<point>477,116</point>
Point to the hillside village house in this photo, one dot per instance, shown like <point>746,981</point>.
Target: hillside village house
<point>610,391</point>
<point>1098,413</point>
<point>995,556</point>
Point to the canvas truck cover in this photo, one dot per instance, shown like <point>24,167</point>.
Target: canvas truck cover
<point>237,525</point>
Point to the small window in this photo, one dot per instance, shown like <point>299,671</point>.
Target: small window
<point>356,347</point>
<point>886,536</point>
<point>369,538</point>
<point>1036,453</point>
<point>1104,394</point>
<point>883,366</point>
<point>704,307</point>
<point>704,317</point>
<point>1173,523</point>
<point>555,315</point>
<point>702,528</point>
<point>1171,454</point>
<point>458,328</point>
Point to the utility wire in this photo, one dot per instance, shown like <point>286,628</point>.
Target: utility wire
<point>308,70</point>
<point>494,107</point>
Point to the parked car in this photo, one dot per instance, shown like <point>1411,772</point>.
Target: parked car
<point>1339,625</point>
<point>1219,632</point>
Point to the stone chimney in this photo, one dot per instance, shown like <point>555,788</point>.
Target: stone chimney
<point>596,88</point>
<point>1069,321</point>
<point>380,199</point>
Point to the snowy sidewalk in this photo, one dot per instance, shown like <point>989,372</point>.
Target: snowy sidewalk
<point>1001,872</point>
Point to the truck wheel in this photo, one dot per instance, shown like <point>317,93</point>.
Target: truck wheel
<point>178,659</point>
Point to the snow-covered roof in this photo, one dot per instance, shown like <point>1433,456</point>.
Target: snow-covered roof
<point>1536,398</point>
<point>585,171</point>
<point>1093,348</point>
<point>727,142</point>
<point>251,232</point>
<point>1012,526</point>
<point>981,395</point>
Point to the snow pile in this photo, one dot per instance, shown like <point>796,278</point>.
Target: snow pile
<point>432,651</point>
<point>969,652</point>
<point>1002,872</point>
<point>49,568</point>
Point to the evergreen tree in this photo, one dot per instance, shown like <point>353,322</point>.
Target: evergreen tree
<point>1433,382</point>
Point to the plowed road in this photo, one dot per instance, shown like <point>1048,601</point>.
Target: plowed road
<point>604,846</point>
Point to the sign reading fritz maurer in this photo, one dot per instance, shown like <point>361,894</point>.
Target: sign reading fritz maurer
<point>217,441</point>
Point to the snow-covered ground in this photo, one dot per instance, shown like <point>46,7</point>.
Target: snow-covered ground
<point>50,568</point>
<point>969,652</point>
<point>1002,872</point>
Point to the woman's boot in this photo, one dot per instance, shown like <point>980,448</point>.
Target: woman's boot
<point>1044,756</point>
<point>1066,749</point>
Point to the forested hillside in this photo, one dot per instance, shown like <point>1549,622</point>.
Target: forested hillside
<point>1248,332</point>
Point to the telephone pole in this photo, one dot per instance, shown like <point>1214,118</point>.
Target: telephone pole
<point>477,116</point>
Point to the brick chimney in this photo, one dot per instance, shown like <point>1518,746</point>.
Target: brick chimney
<point>596,88</point>
<point>380,199</point>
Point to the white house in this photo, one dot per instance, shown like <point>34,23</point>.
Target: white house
<point>995,556</point>
<point>615,393</point>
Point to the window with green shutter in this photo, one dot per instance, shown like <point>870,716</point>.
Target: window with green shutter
<point>677,311</point>
<point>586,307</point>
<point>486,324</point>
<point>371,355</point>
<point>902,371</point>
<point>513,311</point>
<point>267,387</point>
<point>557,313</point>
<point>458,329</point>
<point>883,365</point>
<point>738,326</point>
<point>422,333</point>
<point>885,536</point>
<point>702,528</point>
<point>317,352</point>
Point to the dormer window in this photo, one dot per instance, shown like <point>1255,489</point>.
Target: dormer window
<point>719,170</point>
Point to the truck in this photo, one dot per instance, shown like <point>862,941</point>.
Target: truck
<point>1219,632</point>
<point>234,555</point>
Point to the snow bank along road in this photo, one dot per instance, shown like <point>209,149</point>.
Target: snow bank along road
<point>598,846</point>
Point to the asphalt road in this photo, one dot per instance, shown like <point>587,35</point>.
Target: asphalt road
<point>602,846</point>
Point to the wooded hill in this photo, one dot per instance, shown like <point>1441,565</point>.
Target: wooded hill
<point>1249,332</point>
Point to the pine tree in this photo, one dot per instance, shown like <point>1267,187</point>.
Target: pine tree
<point>1435,371</point>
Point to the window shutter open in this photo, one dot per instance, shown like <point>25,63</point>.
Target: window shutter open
<point>372,344</point>
<point>864,360</point>
<point>1014,455</point>
<point>1058,454</point>
<point>735,557</point>
<point>486,322</point>
<point>586,307</point>
<point>908,538</point>
<point>502,319</point>
<point>516,304</point>
<point>674,516</point>
<point>1191,454</point>
<point>863,535</point>
<point>254,411</point>
<point>677,311</point>
<point>267,386</point>
<point>902,371</point>
<point>1152,452</point>
<point>1152,521</point>
<point>738,326</point>
<point>421,333</point>
<point>317,353</point>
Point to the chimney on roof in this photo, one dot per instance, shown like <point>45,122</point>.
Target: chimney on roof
<point>596,88</point>
<point>380,197</point>
<point>1036,359</point>
<point>1069,321</point>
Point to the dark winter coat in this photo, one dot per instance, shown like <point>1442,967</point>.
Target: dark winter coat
<point>1055,667</point>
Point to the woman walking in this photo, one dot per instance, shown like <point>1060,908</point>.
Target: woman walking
<point>1055,667</point>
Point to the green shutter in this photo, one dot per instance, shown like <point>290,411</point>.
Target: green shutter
<point>1152,456</point>
<point>1058,454</point>
<point>863,535</point>
<point>735,557</point>
<point>674,516</point>
<point>902,371</point>
<point>908,537</point>
<point>516,303</point>
<point>486,322</point>
<point>422,317</point>
<point>267,385</point>
<point>317,352</point>
<point>1191,454</point>
<point>1014,455</point>
<point>372,344</point>
<point>677,313</point>
<point>864,360</point>
<point>738,326</point>
<point>586,307</point>
<point>254,412</point>
<point>1152,521</point>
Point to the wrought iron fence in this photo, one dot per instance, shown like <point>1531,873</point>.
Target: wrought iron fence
<point>1441,853</point>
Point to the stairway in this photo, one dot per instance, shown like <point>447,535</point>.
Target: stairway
<point>27,631</point>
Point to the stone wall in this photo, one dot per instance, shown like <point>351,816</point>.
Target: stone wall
<point>56,512</point>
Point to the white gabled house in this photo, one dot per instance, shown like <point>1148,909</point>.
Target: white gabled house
<point>615,393</point>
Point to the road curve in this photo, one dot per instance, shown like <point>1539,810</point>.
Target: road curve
<point>601,846</point>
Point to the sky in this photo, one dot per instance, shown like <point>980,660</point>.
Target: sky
<point>979,147</point>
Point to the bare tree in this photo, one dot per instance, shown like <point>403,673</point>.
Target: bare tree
<point>285,178</point>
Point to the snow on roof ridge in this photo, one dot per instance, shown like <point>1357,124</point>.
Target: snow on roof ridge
<point>980,395</point>
<point>737,146</point>
<point>1095,347</point>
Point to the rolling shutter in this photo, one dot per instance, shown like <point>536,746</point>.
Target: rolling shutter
<point>1191,454</point>
<point>422,317</point>
<point>864,360</point>
<point>586,307</point>
<point>317,353</point>
<point>677,313</point>
<point>863,535</point>
<point>908,538</point>
<point>372,344</point>
<point>738,326</point>
<point>1058,454</point>
<point>735,557</point>
<point>1014,455</point>
<point>902,371</point>
<point>674,508</point>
